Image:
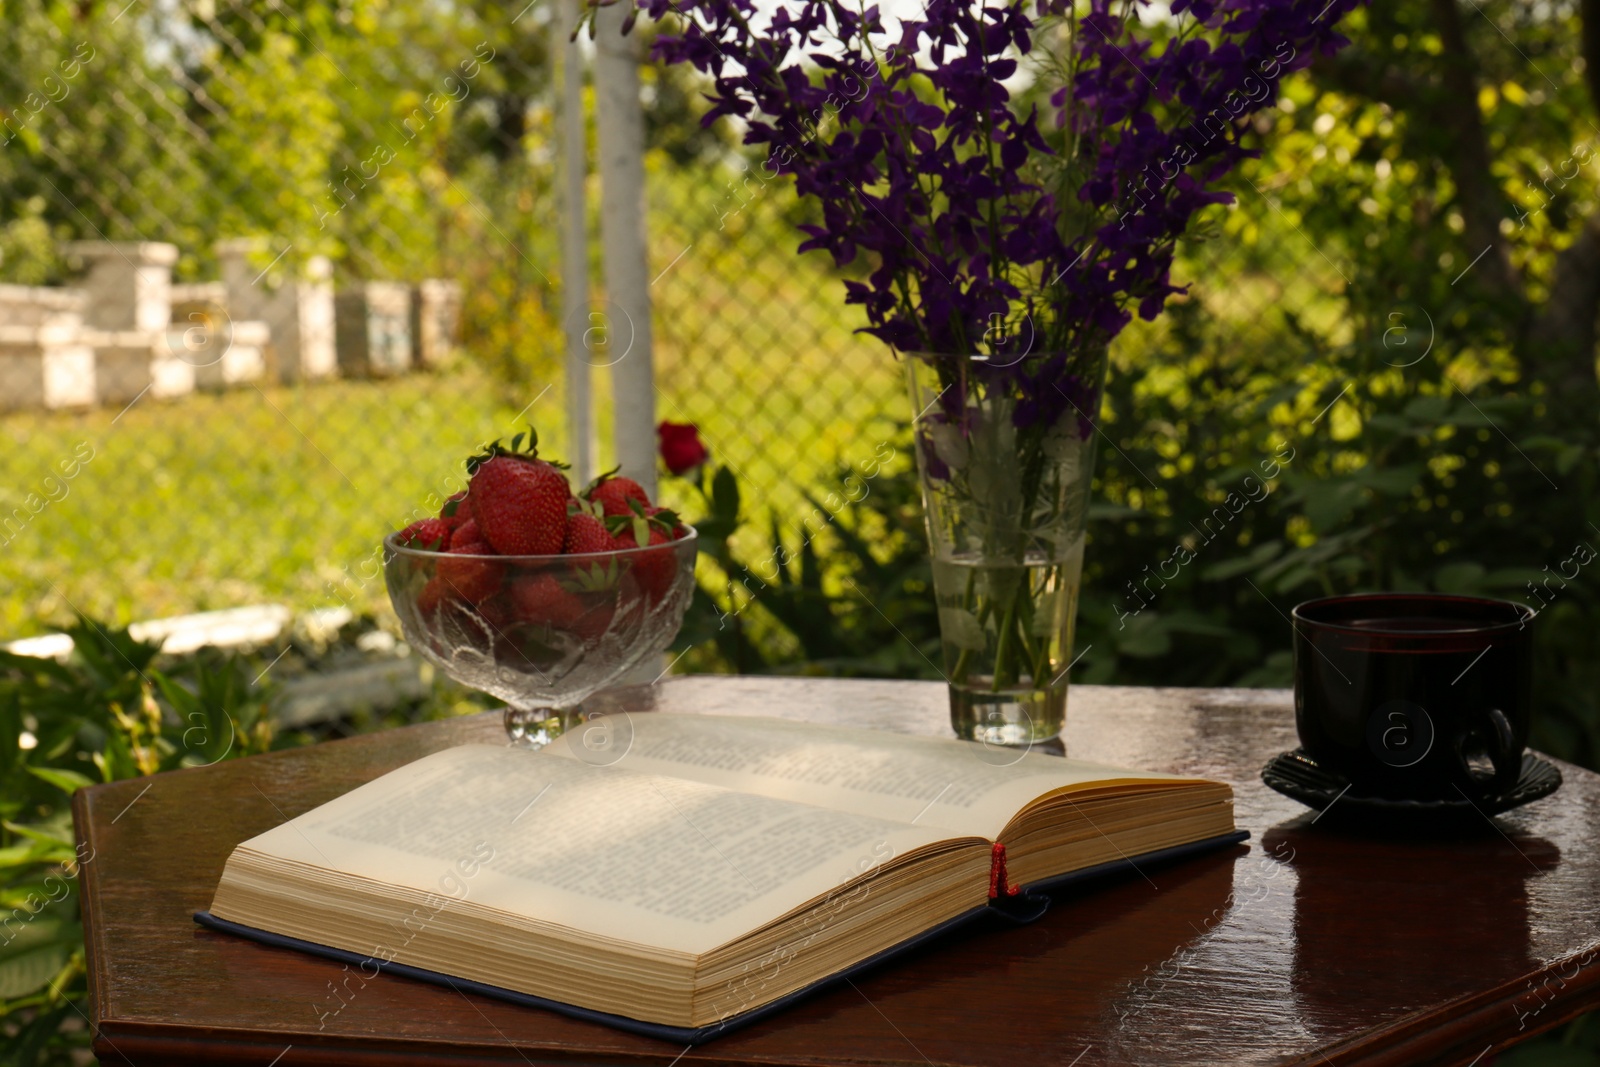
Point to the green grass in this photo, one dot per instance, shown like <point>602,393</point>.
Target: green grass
<point>216,500</point>
<point>283,494</point>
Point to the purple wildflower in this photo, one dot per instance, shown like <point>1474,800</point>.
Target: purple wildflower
<point>924,165</point>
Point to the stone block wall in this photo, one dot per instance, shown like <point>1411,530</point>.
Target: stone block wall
<point>373,321</point>
<point>436,320</point>
<point>128,283</point>
<point>127,331</point>
<point>45,367</point>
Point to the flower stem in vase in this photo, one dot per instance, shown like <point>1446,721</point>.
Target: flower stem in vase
<point>1005,483</point>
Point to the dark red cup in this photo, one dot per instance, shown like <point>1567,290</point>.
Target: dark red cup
<point>1415,695</point>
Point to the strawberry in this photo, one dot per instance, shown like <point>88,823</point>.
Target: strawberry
<point>654,571</point>
<point>431,534</point>
<point>613,493</point>
<point>669,517</point>
<point>432,595</point>
<point>585,533</point>
<point>582,604</point>
<point>455,510</point>
<point>497,610</point>
<point>591,625</point>
<point>519,500</point>
<point>465,572</point>
<point>596,581</point>
<point>542,599</point>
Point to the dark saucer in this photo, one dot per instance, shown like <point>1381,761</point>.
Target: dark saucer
<point>1296,775</point>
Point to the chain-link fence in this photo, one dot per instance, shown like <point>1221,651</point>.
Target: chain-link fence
<point>163,452</point>
<point>756,345</point>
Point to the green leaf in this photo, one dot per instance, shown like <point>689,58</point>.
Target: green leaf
<point>1145,636</point>
<point>1393,424</point>
<point>32,666</point>
<point>1294,578</point>
<point>23,854</point>
<point>54,831</point>
<point>1568,457</point>
<point>34,1041</point>
<point>11,753</point>
<point>112,653</point>
<point>1428,408</point>
<point>1513,578</point>
<point>1231,568</point>
<point>31,854</point>
<point>1329,504</point>
<point>68,782</point>
<point>1276,672</point>
<point>725,495</point>
<point>1392,481</point>
<point>1463,577</point>
<point>34,954</point>
<point>1100,512</point>
<point>1189,621</point>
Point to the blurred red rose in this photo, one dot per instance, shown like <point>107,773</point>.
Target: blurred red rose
<point>681,447</point>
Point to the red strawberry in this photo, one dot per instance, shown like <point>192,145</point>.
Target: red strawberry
<point>585,533</point>
<point>467,574</point>
<point>456,510</point>
<point>519,501</point>
<point>431,534</point>
<point>613,493</point>
<point>593,622</point>
<point>497,610</point>
<point>670,518</point>
<point>652,570</point>
<point>432,595</point>
<point>541,598</point>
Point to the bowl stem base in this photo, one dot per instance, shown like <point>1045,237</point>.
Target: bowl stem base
<point>534,728</point>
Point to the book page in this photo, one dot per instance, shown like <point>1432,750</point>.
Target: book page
<point>959,786</point>
<point>678,865</point>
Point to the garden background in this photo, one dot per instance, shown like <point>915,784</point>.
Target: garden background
<point>1398,311</point>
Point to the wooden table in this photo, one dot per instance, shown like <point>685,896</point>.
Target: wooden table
<point>1307,946</point>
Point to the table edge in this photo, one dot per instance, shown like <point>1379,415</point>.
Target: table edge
<point>1463,1030</point>
<point>88,900</point>
<point>172,1043</point>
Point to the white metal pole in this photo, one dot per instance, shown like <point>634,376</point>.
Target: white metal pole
<point>620,119</point>
<point>574,244</point>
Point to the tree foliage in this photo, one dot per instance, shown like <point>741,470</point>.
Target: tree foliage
<point>399,142</point>
<point>1399,313</point>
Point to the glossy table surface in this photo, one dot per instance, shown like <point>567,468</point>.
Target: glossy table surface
<point>1308,945</point>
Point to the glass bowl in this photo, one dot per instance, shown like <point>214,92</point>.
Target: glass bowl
<point>541,633</point>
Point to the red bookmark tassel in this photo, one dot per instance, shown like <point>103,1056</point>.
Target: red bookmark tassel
<point>997,874</point>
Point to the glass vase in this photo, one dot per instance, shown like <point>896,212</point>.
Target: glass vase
<point>1005,451</point>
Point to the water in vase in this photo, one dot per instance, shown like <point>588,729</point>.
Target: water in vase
<point>1007,632</point>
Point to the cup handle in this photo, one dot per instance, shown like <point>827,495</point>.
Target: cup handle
<point>1504,754</point>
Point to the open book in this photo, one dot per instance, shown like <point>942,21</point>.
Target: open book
<point>689,869</point>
